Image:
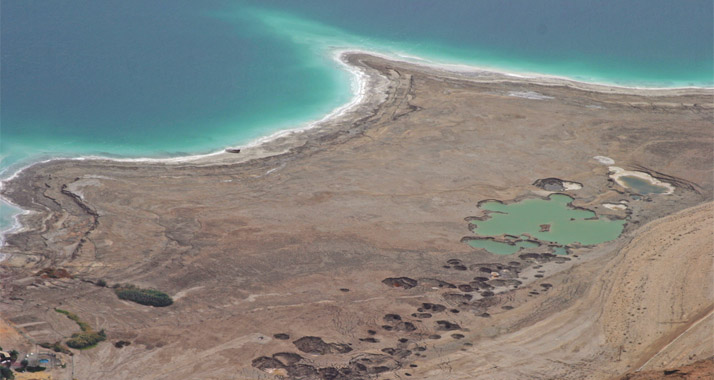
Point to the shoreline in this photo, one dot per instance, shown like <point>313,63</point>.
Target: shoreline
<point>467,68</point>
<point>16,226</point>
<point>361,89</point>
<point>358,94</point>
<point>358,86</point>
<point>364,217</point>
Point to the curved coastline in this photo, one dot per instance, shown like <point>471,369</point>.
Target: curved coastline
<point>361,91</point>
<point>339,214</point>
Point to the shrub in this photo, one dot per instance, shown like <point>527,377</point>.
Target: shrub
<point>149,297</point>
<point>6,373</point>
<point>84,326</point>
<point>121,343</point>
<point>86,339</point>
<point>101,283</point>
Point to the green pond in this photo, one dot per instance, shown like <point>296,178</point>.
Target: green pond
<point>548,220</point>
<point>642,186</point>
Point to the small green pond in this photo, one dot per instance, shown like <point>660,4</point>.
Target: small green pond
<point>642,186</point>
<point>548,220</point>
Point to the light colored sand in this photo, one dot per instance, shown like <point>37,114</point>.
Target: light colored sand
<point>615,206</point>
<point>604,160</point>
<point>571,186</point>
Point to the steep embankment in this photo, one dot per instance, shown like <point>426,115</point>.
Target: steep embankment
<point>659,308</point>
<point>647,306</point>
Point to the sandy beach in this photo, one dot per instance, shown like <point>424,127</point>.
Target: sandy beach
<point>344,235</point>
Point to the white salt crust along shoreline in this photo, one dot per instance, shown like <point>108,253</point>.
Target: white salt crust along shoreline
<point>359,86</point>
<point>15,227</point>
<point>359,81</point>
<point>617,172</point>
<point>534,77</point>
<point>359,89</point>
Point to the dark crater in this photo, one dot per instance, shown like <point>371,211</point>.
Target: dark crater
<point>434,307</point>
<point>552,184</point>
<point>447,326</point>
<point>400,282</point>
<point>315,345</point>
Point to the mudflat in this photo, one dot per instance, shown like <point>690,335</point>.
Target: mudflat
<point>341,252</point>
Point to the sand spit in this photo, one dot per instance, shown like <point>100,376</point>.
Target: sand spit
<point>346,238</point>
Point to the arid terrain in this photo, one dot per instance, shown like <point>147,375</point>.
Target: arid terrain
<point>337,253</point>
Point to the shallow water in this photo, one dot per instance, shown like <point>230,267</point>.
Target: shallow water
<point>642,186</point>
<point>137,78</point>
<point>564,224</point>
<point>8,213</point>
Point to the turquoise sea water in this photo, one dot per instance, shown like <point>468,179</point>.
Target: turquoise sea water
<point>137,78</point>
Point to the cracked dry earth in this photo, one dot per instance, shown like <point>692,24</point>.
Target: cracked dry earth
<point>340,257</point>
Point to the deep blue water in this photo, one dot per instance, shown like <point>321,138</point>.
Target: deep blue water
<point>171,77</point>
<point>647,43</point>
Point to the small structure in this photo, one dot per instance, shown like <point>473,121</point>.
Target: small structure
<point>5,359</point>
<point>42,359</point>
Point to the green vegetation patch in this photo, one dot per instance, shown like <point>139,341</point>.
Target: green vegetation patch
<point>149,297</point>
<point>88,338</point>
<point>6,373</point>
<point>84,326</point>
